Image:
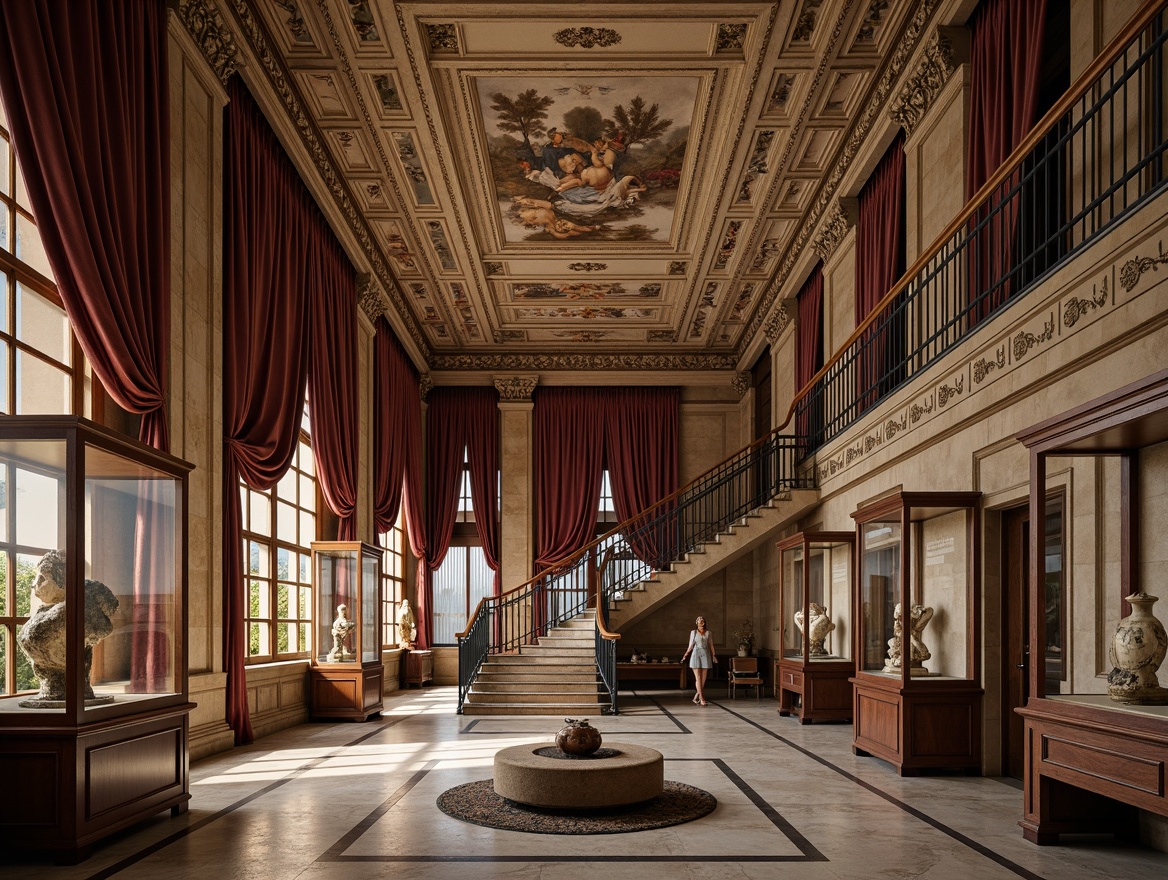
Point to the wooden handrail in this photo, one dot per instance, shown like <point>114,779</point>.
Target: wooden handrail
<point>604,633</point>
<point>1041,129</point>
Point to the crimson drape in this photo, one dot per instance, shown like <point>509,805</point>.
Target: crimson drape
<point>267,219</point>
<point>481,435</point>
<point>333,376</point>
<point>85,89</point>
<point>395,390</point>
<point>879,264</point>
<point>569,427</point>
<point>415,515</point>
<point>809,344</point>
<point>1005,59</point>
<point>641,453</point>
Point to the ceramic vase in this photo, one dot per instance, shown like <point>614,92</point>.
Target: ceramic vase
<point>578,738</point>
<point>1137,651</point>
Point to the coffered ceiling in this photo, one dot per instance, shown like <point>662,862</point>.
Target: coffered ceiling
<point>703,145</point>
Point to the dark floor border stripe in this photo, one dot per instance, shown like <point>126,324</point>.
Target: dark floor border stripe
<point>159,845</point>
<point>979,848</point>
<point>808,853</point>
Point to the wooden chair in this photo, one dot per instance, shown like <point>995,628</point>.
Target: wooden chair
<point>744,673</point>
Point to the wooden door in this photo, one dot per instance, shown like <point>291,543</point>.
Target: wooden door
<point>1015,636</point>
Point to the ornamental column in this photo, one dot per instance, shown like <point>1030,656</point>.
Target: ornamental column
<point>517,465</point>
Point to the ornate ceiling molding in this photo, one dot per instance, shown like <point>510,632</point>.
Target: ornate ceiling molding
<point>217,42</point>
<point>516,388</point>
<point>369,297</point>
<point>443,38</point>
<point>741,384</point>
<point>586,37</point>
<point>567,361</point>
<point>934,69</point>
<point>731,38</point>
<point>777,324</point>
<point>831,233</point>
<point>425,385</point>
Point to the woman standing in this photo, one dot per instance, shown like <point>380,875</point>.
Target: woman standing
<point>701,657</point>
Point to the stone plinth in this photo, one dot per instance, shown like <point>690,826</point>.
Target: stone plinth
<point>633,775</point>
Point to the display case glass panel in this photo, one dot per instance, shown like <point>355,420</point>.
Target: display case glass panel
<point>347,576</point>
<point>822,615</point>
<point>879,590</point>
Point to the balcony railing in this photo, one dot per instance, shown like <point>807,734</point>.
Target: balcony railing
<point>1097,156</point>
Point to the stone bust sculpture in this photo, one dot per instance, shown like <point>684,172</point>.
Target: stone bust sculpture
<point>42,638</point>
<point>820,626</point>
<point>342,626</point>
<point>919,616</point>
<point>407,627</point>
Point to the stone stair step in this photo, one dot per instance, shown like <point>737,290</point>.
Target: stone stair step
<point>561,710</point>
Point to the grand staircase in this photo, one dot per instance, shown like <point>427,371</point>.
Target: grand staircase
<point>558,675</point>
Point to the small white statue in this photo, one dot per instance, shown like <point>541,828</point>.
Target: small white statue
<point>919,617</point>
<point>407,627</point>
<point>821,625</point>
<point>342,626</point>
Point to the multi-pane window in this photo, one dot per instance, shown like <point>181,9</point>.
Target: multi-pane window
<point>40,372</point>
<point>393,568</point>
<point>464,578</point>
<point>279,527</point>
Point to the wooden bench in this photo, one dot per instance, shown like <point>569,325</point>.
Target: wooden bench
<point>651,672</point>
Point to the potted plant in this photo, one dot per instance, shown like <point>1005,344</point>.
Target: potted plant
<point>744,637</point>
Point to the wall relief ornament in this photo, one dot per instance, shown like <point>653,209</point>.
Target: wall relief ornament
<point>918,411</point>
<point>212,35</point>
<point>493,268</point>
<point>516,388</point>
<point>831,234</point>
<point>1129,275</point>
<point>442,37</point>
<point>1024,341</point>
<point>586,37</point>
<point>425,385</point>
<point>369,297</point>
<point>295,22</point>
<point>731,38</point>
<point>587,267</point>
<point>777,324</point>
<point>1076,308</point>
<point>873,18</point>
<point>678,267</point>
<point>947,392</point>
<point>983,367</point>
<point>917,96</point>
<point>741,384</point>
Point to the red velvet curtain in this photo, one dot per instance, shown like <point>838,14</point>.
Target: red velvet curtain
<point>415,511</point>
<point>879,264</point>
<point>641,452</point>
<point>334,383</point>
<point>809,345</point>
<point>268,215</point>
<point>569,455</point>
<point>1005,60</point>
<point>481,435</point>
<point>395,392</point>
<point>85,89</point>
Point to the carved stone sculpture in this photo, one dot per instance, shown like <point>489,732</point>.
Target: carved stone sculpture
<point>42,638</point>
<point>342,626</point>
<point>919,617</point>
<point>407,627</point>
<point>820,626</point>
<point>1137,651</point>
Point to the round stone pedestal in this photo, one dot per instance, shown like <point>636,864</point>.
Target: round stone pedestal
<point>632,775</point>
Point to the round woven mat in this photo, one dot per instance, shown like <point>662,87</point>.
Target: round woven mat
<point>477,803</point>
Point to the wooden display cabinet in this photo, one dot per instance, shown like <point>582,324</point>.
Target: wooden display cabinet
<point>346,671</point>
<point>918,699</point>
<point>93,611</point>
<point>815,664</point>
<point>419,667</point>
<point>1092,761</point>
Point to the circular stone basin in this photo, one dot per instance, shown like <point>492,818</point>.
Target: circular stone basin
<point>632,775</point>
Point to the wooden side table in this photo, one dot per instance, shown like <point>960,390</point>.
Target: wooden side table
<point>419,667</point>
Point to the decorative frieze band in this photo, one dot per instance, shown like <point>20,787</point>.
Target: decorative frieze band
<point>212,35</point>
<point>941,56</point>
<point>586,37</point>
<point>516,388</point>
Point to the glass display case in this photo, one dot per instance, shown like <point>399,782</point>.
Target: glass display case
<point>814,669</point>
<point>1095,720</point>
<point>347,674</point>
<point>93,603</point>
<point>917,696</point>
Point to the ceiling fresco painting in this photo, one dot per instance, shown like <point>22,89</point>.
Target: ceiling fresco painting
<point>618,185</point>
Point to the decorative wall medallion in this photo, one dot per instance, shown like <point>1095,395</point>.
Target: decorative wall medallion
<point>425,385</point>
<point>1024,341</point>
<point>212,35</point>
<point>369,297</point>
<point>922,88</point>
<point>1076,308</point>
<point>729,242</point>
<point>741,384</point>
<point>777,324</point>
<point>709,297</point>
<point>586,37</point>
<point>873,18</point>
<point>983,367</point>
<point>678,267</point>
<point>805,26</point>
<point>731,38</point>
<point>587,267</point>
<point>781,93</point>
<point>1129,275</point>
<point>516,387</point>
<point>387,93</point>
<point>831,234</point>
<point>362,20</point>
<point>294,22</point>
<point>947,392</point>
<point>442,37</point>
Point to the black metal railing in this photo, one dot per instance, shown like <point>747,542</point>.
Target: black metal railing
<point>1096,157</point>
<point>629,554</point>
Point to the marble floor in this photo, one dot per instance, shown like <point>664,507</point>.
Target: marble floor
<point>356,801</point>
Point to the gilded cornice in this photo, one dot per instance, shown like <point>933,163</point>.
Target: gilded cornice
<point>568,361</point>
<point>210,32</point>
<point>369,297</point>
<point>515,388</point>
<point>777,324</point>
<point>918,93</point>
